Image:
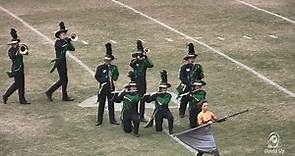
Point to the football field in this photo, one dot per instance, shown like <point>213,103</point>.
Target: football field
<point>245,47</point>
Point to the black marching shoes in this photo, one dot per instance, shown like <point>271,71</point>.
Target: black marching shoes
<point>68,99</point>
<point>4,99</point>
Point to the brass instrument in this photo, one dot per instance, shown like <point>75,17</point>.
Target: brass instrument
<point>146,50</point>
<point>23,49</point>
<point>74,37</point>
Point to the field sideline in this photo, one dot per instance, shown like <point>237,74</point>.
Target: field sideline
<point>253,38</point>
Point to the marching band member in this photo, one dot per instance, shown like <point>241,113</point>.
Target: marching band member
<point>17,70</point>
<point>62,45</point>
<point>189,72</point>
<point>140,63</point>
<point>105,75</point>
<point>129,114</point>
<point>162,100</point>
<point>197,95</point>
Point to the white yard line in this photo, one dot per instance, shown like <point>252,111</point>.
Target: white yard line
<point>48,39</point>
<point>265,79</point>
<point>84,42</point>
<point>268,12</point>
<point>114,42</point>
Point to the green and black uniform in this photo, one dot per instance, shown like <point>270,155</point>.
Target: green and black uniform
<point>194,109</point>
<point>139,68</point>
<point>105,75</point>
<point>162,100</point>
<point>187,75</point>
<point>60,63</point>
<point>129,113</point>
<point>17,72</point>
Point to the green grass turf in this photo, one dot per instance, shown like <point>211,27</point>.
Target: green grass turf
<point>65,129</point>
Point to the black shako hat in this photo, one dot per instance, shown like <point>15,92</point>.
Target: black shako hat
<point>132,82</point>
<point>164,81</point>
<point>62,28</point>
<point>139,49</point>
<point>109,55</point>
<point>191,52</point>
<point>14,39</point>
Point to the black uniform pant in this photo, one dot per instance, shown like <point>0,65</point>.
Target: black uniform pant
<point>183,104</point>
<point>102,99</point>
<point>130,121</point>
<point>18,84</point>
<point>160,115</point>
<point>63,81</point>
<point>193,116</point>
<point>141,86</point>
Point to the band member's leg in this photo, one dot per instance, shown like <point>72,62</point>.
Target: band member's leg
<point>169,117</point>
<point>193,115</point>
<point>200,153</point>
<point>183,105</point>
<point>216,152</point>
<point>56,85</point>
<point>20,81</point>
<point>127,127</point>
<point>142,109</point>
<point>111,108</point>
<point>64,81</point>
<point>159,120</point>
<point>100,109</point>
<point>10,90</point>
<point>142,91</point>
<point>135,120</point>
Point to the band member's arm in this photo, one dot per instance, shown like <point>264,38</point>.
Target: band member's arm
<point>118,97</point>
<point>148,63</point>
<point>70,46</point>
<point>151,98</point>
<point>97,75</point>
<point>214,118</point>
<point>183,76</point>
<point>12,54</point>
<point>115,73</point>
<point>200,120</point>
<point>199,72</point>
<point>133,63</point>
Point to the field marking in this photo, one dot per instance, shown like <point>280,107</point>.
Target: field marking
<point>47,38</point>
<point>169,39</point>
<point>114,42</point>
<point>247,37</point>
<point>263,10</point>
<point>273,36</point>
<point>220,38</point>
<point>84,42</point>
<point>259,75</point>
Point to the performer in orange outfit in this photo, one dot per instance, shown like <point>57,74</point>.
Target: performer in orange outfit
<point>206,116</point>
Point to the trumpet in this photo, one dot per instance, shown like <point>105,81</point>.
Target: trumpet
<point>23,49</point>
<point>146,50</point>
<point>74,37</point>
